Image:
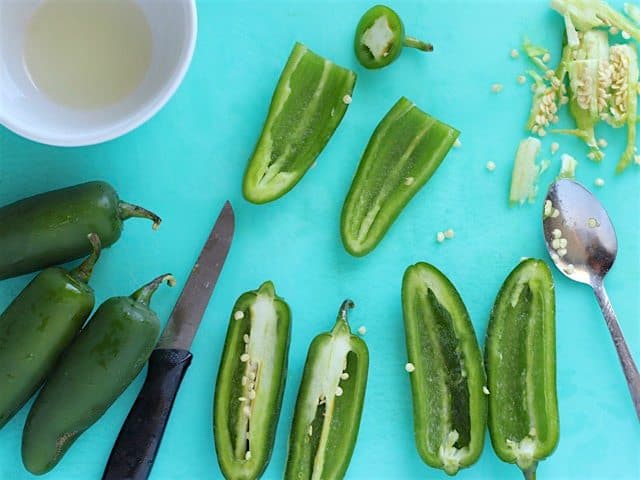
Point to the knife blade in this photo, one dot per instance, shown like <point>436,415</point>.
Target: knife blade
<point>139,439</point>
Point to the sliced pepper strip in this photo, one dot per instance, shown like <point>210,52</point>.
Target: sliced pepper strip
<point>404,151</point>
<point>447,380</point>
<point>329,406</point>
<point>308,104</point>
<point>251,383</point>
<point>521,367</point>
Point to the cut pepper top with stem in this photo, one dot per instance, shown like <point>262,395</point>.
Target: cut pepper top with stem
<point>380,38</point>
<point>329,405</point>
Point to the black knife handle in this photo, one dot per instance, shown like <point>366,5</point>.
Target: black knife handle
<point>139,439</point>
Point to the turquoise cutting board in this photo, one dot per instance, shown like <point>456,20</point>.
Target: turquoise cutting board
<point>190,158</point>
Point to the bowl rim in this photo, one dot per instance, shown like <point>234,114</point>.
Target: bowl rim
<point>126,124</point>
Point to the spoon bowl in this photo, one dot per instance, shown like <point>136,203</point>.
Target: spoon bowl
<point>583,245</point>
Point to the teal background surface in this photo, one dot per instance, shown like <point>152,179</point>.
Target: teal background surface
<point>190,158</point>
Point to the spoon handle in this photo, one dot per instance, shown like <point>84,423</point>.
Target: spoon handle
<point>628,365</point>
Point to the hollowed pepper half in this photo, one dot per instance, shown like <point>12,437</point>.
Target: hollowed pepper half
<point>38,325</point>
<point>251,382</point>
<point>99,365</point>
<point>405,149</point>
<point>308,104</point>
<point>329,406</point>
<point>447,375</point>
<point>52,228</point>
<point>520,359</point>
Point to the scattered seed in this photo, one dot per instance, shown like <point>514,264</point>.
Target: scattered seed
<point>440,237</point>
<point>252,375</point>
<point>515,53</point>
<point>555,243</point>
<point>626,35</point>
<point>362,330</point>
<point>485,390</point>
<point>570,269</point>
<point>457,143</point>
<point>245,337</point>
<point>244,380</point>
<point>556,233</point>
<point>591,156</point>
<point>521,79</point>
<point>555,213</point>
<point>244,357</point>
<point>247,456</point>
<point>561,252</point>
<point>555,146</point>
<point>599,182</point>
<point>242,399</point>
<point>563,242</point>
<point>546,57</point>
<point>347,99</point>
<point>409,181</point>
<point>491,166</point>
<point>410,367</point>
<point>548,208</point>
<point>497,87</point>
<point>246,410</point>
<point>449,233</point>
<point>344,376</point>
<point>239,315</point>
<point>311,430</point>
<point>339,391</point>
<point>593,223</point>
<point>603,143</point>
<point>555,257</point>
<point>252,395</point>
<point>550,74</point>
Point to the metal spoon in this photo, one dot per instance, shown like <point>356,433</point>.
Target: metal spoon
<point>583,245</point>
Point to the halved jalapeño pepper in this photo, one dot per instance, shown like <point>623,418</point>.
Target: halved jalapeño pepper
<point>447,379</point>
<point>520,356</point>
<point>329,406</point>
<point>404,151</point>
<point>308,104</point>
<point>98,366</point>
<point>251,383</point>
<point>38,325</point>
<point>52,228</point>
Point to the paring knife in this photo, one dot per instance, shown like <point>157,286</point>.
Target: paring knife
<point>135,449</point>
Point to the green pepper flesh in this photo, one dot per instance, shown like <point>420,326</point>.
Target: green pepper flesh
<point>520,362</point>
<point>449,405</point>
<point>250,383</point>
<point>329,405</point>
<point>307,107</point>
<point>404,151</point>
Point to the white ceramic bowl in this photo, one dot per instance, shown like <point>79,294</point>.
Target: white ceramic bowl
<point>29,113</point>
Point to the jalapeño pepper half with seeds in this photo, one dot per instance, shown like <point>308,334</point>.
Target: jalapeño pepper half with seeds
<point>52,228</point>
<point>404,151</point>
<point>38,325</point>
<point>308,104</point>
<point>520,356</point>
<point>99,365</point>
<point>448,379</point>
<point>251,383</point>
<point>329,406</point>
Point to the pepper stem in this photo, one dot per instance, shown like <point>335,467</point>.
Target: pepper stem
<point>343,313</point>
<point>128,210</point>
<point>144,294</point>
<point>419,44</point>
<point>530,473</point>
<point>83,271</point>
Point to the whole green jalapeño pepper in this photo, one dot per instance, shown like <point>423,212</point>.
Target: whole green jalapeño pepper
<point>251,382</point>
<point>520,356</point>
<point>380,38</point>
<point>404,151</point>
<point>38,325</point>
<point>51,228</point>
<point>329,406</point>
<point>308,104</point>
<point>98,366</point>
<point>447,376</point>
